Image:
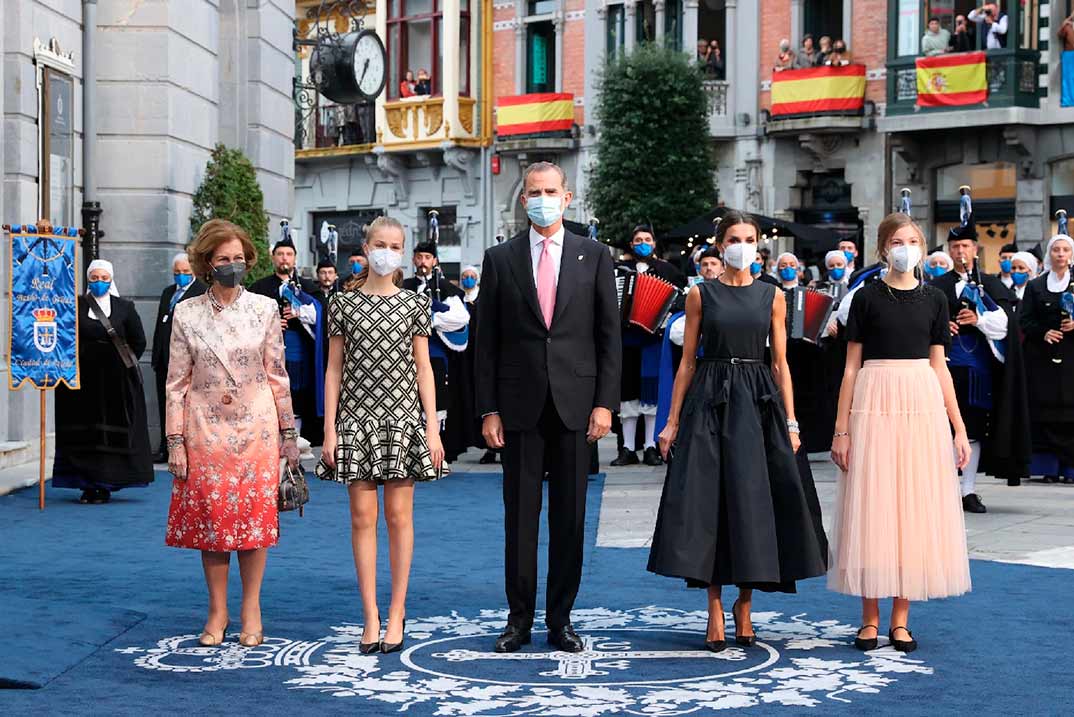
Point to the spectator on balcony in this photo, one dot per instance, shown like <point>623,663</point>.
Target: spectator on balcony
<point>702,51</point>
<point>839,55</point>
<point>1066,33</point>
<point>714,65</point>
<point>936,40</point>
<point>424,85</point>
<point>785,59</point>
<point>965,37</point>
<point>994,24</point>
<point>406,87</point>
<point>824,50</point>
<point>808,55</point>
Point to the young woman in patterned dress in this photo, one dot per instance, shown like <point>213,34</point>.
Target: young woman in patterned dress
<point>380,423</point>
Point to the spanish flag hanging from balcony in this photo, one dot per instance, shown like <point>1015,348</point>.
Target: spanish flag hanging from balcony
<point>952,80</point>
<point>818,90</point>
<point>534,114</point>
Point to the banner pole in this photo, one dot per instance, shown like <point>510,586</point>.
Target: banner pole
<point>41,465</point>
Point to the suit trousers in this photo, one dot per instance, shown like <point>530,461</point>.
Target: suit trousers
<point>161,381</point>
<point>563,454</point>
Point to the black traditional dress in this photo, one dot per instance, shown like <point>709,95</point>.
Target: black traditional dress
<point>1049,378</point>
<point>734,509</point>
<point>102,435</point>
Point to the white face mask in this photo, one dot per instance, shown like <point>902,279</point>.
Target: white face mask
<point>905,257</point>
<point>384,261</point>
<point>739,256</point>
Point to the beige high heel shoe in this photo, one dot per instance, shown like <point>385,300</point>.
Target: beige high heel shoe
<point>207,639</point>
<point>251,639</point>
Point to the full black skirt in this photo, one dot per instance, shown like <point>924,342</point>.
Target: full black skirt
<point>734,508</point>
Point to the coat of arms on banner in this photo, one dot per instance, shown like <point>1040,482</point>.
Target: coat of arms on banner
<point>45,330</point>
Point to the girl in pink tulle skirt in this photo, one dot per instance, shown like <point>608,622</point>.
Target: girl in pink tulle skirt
<point>898,528</point>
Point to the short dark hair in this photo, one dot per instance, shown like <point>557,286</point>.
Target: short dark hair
<point>806,36</point>
<point>543,167</point>
<point>356,251</point>
<point>734,218</point>
<point>642,228</point>
<point>1009,249</point>
<point>710,253</point>
<point>934,18</point>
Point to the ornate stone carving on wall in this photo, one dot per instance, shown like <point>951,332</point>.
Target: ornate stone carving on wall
<point>466,114</point>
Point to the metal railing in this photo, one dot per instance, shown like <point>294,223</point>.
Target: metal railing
<point>331,125</point>
<point>1012,82</point>
<point>717,91</point>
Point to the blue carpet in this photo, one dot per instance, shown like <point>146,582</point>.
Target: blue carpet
<point>100,568</point>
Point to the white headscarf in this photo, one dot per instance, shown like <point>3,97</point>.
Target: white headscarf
<point>787,253</point>
<point>941,255</point>
<point>107,266</point>
<point>470,295</point>
<point>1029,260</point>
<point>1048,251</point>
<point>834,254</point>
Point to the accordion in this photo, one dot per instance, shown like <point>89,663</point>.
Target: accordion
<point>645,300</point>
<point>808,312</point>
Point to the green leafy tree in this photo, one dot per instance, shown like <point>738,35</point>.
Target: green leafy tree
<point>230,191</point>
<point>653,155</point>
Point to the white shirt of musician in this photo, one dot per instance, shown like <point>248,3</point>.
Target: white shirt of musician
<point>555,251</point>
<point>993,324</point>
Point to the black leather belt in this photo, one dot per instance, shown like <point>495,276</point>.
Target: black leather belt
<point>732,360</point>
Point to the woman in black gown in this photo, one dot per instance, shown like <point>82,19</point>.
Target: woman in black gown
<point>1047,325</point>
<point>102,436</point>
<point>734,510</point>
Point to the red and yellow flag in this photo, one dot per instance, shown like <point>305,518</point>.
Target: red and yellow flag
<point>532,114</point>
<point>952,80</point>
<point>817,90</point>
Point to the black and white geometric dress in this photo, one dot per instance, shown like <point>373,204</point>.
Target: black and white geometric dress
<point>379,427</point>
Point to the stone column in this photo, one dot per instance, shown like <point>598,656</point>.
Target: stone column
<point>630,7</point>
<point>520,56</point>
<point>689,27</point>
<point>450,67</point>
<point>660,11</point>
<point>559,22</point>
<point>796,25</point>
<point>848,23</point>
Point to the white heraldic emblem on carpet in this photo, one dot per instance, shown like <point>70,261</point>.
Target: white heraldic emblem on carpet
<point>642,661</point>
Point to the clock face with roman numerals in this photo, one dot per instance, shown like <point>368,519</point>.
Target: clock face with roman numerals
<point>370,63</point>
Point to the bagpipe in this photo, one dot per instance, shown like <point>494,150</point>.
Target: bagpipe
<point>645,300</point>
<point>808,312</point>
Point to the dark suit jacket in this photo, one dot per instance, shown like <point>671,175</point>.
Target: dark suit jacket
<point>518,360</point>
<point>162,332</point>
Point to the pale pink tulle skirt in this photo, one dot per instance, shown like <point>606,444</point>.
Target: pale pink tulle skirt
<point>898,528</point>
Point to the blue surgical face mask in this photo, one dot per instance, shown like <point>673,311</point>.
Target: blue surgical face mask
<point>544,211</point>
<point>755,268</point>
<point>182,280</point>
<point>1019,277</point>
<point>849,255</point>
<point>468,282</point>
<point>357,267</point>
<point>643,250</point>
<point>99,288</point>
<point>936,271</point>
<point>837,273</point>
<point>1005,266</point>
<point>788,273</point>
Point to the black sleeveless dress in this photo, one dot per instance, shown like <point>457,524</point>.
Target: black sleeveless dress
<point>734,509</point>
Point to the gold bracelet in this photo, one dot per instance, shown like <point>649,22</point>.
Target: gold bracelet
<point>840,435</point>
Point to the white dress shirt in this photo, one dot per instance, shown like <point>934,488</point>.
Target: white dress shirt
<point>996,30</point>
<point>993,324</point>
<point>555,251</point>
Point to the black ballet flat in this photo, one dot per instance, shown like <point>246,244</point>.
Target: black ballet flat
<point>902,645</point>
<point>863,644</point>
<point>744,640</point>
<point>389,647</point>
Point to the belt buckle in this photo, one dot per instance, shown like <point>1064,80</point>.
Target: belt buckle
<point>735,361</point>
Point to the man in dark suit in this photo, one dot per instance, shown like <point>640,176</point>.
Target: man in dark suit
<point>185,286</point>
<point>548,366</point>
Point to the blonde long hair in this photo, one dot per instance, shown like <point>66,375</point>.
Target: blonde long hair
<point>357,281</point>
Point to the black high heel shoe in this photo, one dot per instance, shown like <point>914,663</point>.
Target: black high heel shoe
<point>714,645</point>
<point>902,645</point>
<point>368,648</point>
<point>866,645</point>
<point>390,647</point>
<point>744,640</point>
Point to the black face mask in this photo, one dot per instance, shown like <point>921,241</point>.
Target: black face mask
<point>230,275</point>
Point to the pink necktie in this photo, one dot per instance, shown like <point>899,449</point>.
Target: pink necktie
<point>546,283</point>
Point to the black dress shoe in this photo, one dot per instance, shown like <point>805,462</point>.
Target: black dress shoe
<point>1051,479</point>
<point>488,459</point>
<point>652,457</point>
<point>626,458</point>
<point>1068,480</point>
<point>565,639</point>
<point>902,645</point>
<point>972,504</point>
<point>512,639</point>
<point>865,645</point>
<point>100,496</point>
<point>87,497</point>
<point>1014,482</point>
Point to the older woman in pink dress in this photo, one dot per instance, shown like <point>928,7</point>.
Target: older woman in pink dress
<point>229,421</point>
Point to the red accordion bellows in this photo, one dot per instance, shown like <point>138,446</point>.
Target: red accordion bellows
<point>808,314</point>
<point>650,302</point>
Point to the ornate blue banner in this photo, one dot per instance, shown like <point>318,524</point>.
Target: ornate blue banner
<point>44,313</point>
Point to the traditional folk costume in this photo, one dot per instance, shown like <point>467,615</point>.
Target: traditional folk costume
<point>833,356</point>
<point>1021,280</point>
<point>102,435</point>
<point>448,341</point>
<point>898,529</point>
<point>304,341</point>
<point>639,387</point>
<point>734,509</point>
<point>988,375</point>
<point>1047,300</point>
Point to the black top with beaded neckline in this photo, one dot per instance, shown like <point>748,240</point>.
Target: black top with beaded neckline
<point>898,323</point>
